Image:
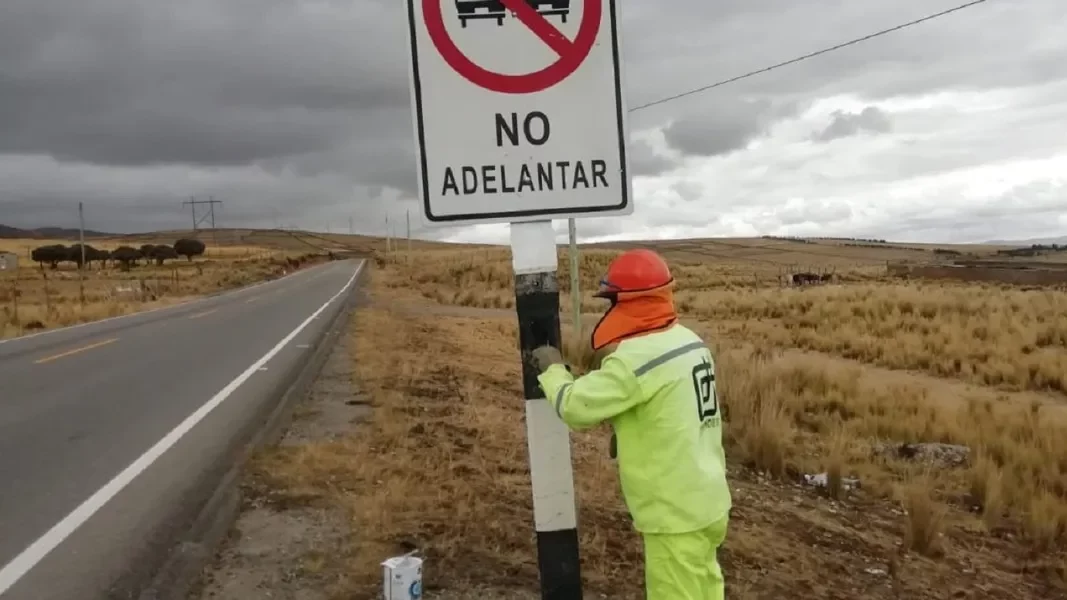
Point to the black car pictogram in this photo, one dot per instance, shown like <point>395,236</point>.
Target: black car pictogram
<point>495,9</point>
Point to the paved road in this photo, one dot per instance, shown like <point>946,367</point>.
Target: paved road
<point>106,428</point>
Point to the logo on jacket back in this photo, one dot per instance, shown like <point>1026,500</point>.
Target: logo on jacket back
<point>707,399</point>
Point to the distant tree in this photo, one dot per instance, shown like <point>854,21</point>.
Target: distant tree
<point>161,253</point>
<point>189,248</point>
<point>126,256</point>
<point>74,255</point>
<point>53,254</point>
<point>97,255</point>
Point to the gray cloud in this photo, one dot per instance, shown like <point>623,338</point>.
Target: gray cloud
<point>297,111</point>
<point>845,124</point>
<point>196,83</point>
<point>721,127</point>
<point>645,161</point>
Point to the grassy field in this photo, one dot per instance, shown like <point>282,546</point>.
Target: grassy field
<point>34,299</point>
<point>836,379</point>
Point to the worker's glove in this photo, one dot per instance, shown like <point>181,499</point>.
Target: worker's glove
<point>546,356</point>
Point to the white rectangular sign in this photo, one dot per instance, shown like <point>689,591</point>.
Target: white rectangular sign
<point>518,110</point>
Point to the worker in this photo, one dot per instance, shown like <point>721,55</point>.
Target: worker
<point>655,385</point>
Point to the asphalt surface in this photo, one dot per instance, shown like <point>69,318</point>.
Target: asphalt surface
<point>81,407</point>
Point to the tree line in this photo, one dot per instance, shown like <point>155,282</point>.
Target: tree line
<point>123,256</point>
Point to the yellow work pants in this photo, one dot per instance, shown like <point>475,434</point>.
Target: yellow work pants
<point>684,566</point>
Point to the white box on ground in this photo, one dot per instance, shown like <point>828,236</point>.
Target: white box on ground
<point>518,110</point>
<point>402,578</point>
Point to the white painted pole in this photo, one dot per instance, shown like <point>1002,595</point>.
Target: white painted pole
<point>535,260</point>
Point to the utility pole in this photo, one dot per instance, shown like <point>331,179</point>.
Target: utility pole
<point>576,296</point>
<point>350,229</point>
<point>388,240</point>
<point>81,243</point>
<point>192,206</point>
<point>408,216</point>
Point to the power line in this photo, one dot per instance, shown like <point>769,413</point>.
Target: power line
<point>806,56</point>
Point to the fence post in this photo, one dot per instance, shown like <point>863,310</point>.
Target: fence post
<point>15,301</point>
<point>47,299</point>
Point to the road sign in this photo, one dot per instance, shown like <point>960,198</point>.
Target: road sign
<point>518,110</point>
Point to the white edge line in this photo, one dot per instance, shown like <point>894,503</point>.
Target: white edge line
<point>162,308</point>
<point>38,550</point>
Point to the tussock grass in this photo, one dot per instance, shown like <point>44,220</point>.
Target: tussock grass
<point>982,333</point>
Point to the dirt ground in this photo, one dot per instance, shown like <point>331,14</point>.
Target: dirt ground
<point>410,445</point>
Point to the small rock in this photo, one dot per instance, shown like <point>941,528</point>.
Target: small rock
<point>875,571</point>
<point>945,455</point>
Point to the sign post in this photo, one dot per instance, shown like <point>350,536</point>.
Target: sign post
<point>519,118</point>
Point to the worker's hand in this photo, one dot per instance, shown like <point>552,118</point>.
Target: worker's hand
<point>600,355</point>
<point>546,356</point>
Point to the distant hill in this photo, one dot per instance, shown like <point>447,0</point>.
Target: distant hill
<point>1029,242</point>
<point>47,233</point>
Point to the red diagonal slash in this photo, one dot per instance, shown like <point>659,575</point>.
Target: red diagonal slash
<point>540,26</point>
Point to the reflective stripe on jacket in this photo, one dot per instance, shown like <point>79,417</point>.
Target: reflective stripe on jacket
<point>658,392</point>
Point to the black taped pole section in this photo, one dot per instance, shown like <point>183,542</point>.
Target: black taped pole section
<point>548,439</point>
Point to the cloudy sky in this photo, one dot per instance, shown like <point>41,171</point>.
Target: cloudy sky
<point>297,112</point>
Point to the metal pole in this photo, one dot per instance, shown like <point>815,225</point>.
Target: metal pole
<point>214,234</point>
<point>534,260</point>
<point>81,243</point>
<point>388,241</point>
<point>408,217</point>
<point>576,293</point>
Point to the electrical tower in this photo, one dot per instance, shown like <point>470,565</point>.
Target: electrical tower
<point>192,203</point>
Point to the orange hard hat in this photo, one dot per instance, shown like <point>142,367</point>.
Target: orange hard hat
<point>635,270</point>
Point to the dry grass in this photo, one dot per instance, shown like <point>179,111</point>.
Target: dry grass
<point>32,299</point>
<point>987,334</point>
<point>442,466</point>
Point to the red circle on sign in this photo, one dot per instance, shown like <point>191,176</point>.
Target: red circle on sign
<point>569,60</point>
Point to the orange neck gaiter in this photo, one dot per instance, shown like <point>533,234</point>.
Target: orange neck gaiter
<point>634,314</point>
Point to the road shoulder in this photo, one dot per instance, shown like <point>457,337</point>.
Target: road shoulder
<point>276,548</point>
<point>296,534</point>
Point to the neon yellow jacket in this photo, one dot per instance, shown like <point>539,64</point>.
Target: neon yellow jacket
<point>658,392</point>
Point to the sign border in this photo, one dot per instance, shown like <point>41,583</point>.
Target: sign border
<point>530,214</point>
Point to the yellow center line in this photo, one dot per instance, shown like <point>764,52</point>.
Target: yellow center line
<point>203,314</point>
<point>74,351</point>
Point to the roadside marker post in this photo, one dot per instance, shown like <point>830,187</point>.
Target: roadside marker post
<point>519,118</point>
